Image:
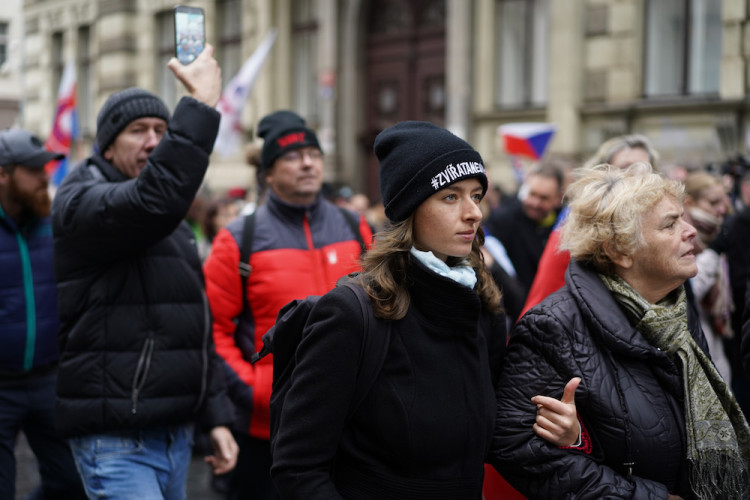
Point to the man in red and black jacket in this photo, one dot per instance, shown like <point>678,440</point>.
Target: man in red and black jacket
<point>300,244</point>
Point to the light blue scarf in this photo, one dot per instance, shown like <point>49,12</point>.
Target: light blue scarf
<point>462,273</point>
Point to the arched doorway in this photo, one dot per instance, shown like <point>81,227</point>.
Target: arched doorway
<point>405,69</point>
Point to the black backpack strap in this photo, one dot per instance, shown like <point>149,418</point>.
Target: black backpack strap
<point>246,248</point>
<point>374,347</point>
<point>353,222</point>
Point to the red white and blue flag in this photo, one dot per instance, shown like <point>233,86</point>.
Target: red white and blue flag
<point>526,139</point>
<point>65,127</point>
<point>233,98</point>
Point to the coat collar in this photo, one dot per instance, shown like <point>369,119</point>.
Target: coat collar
<point>603,315</point>
<point>289,211</point>
<point>109,171</point>
<point>442,302</point>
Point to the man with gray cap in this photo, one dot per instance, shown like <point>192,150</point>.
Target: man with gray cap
<point>138,367</point>
<point>28,319</point>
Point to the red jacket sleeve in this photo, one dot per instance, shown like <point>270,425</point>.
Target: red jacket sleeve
<point>224,290</point>
<point>550,273</point>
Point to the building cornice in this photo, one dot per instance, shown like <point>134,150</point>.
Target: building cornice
<point>106,7</point>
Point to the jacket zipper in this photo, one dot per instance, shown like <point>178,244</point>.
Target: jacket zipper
<point>207,331</point>
<point>28,293</point>
<point>141,372</point>
<point>311,247</point>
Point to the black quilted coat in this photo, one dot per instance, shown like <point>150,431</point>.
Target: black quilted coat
<point>630,400</point>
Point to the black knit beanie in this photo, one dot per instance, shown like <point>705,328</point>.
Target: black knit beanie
<point>123,107</point>
<point>419,158</point>
<point>283,131</point>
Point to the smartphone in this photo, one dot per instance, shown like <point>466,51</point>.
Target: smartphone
<point>189,32</point>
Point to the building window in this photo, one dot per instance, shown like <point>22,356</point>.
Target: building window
<point>4,40</point>
<point>165,80</point>
<point>84,83</point>
<point>683,47</point>
<point>229,50</point>
<point>57,60</point>
<point>305,59</point>
<point>522,48</point>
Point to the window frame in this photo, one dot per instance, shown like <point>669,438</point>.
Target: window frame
<point>533,84</point>
<point>165,49</point>
<point>305,38</point>
<point>687,53</point>
<point>4,41</point>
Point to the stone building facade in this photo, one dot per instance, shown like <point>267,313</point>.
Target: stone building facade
<point>675,70</point>
<point>11,38</point>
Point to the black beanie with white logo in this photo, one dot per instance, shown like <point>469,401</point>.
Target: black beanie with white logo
<point>123,107</point>
<point>283,131</point>
<point>418,159</point>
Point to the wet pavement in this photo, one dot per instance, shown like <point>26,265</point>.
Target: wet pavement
<point>27,475</point>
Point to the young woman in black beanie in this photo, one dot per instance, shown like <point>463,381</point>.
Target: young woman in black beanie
<point>424,428</point>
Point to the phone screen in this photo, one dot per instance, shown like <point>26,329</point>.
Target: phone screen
<point>189,32</point>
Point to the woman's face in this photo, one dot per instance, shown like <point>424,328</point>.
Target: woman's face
<point>627,156</point>
<point>447,222</point>
<point>713,200</point>
<point>665,259</point>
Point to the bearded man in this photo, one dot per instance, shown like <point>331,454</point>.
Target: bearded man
<point>28,319</point>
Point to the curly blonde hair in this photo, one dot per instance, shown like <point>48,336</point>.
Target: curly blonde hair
<point>384,271</point>
<point>606,207</point>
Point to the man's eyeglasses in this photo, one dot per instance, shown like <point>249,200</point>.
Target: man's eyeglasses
<point>297,155</point>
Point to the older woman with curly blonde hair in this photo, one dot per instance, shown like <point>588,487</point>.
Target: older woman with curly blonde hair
<point>658,419</point>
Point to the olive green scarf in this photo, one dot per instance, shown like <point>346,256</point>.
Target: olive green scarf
<point>718,437</point>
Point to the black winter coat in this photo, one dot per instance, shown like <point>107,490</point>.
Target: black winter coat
<point>425,427</point>
<point>523,239</point>
<point>745,348</point>
<point>135,339</point>
<point>734,240</point>
<point>630,400</point>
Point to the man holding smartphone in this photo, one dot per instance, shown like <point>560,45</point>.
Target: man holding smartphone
<point>138,367</point>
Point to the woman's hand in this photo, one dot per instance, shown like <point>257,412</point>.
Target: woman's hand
<point>557,421</point>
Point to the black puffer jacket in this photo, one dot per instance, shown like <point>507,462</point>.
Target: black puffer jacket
<point>746,330</point>
<point>135,338</point>
<point>630,400</point>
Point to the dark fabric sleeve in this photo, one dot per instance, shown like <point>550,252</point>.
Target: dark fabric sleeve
<point>511,289</point>
<point>218,408</point>
<point>745,348</point>
<point>540,360</point>
<point>318,401</point>
<point>104,221</point>
<point>496,334</point>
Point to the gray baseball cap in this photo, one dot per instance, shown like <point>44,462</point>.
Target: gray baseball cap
<point>19,147</point>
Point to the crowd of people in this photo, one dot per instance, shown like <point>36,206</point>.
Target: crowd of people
<point>587,337</point>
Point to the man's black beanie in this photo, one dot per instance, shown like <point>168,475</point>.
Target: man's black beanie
<point>123,107</point>
<point>283,131</point>
<point>419,158</point>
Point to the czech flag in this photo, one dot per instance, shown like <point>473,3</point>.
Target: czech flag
<point>65,127</point>
<point>526,139</point>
